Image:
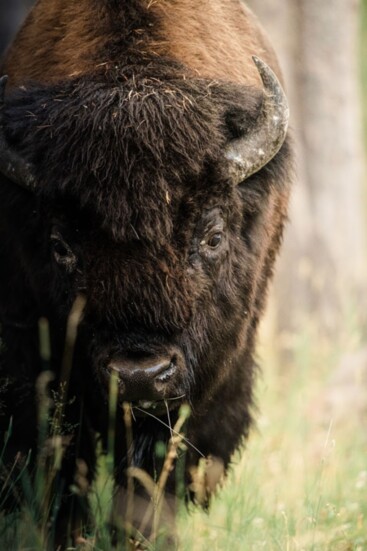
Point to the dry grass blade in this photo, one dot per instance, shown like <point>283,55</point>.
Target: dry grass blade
<point>144,478</point>
<point>176,439</point>
<point>73,322</point>
<point>184,439</point>
<point>54,446</point>
<point>130,482</point>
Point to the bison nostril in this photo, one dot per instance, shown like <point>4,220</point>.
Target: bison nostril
<point>114,367</point>
<point>157,368</point>
<point>166,373</point>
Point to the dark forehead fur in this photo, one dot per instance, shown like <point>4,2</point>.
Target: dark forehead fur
<point>128,143</point>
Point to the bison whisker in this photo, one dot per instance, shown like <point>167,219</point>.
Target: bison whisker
<point>173,430</point>
<point>132,412</point>
<point>175,398</point>
<point>169,418</point>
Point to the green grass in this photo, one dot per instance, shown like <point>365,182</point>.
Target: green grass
<point>301,484</point>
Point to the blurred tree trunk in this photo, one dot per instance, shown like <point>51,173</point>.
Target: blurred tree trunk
<point>12,13</point>
<point>322,270</point>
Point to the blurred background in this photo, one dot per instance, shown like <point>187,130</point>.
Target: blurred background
<point>12,13</point>
<point>308,468</point>
<point>321,277</point>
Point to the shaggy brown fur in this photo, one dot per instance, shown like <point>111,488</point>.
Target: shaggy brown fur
<point>215,39</point>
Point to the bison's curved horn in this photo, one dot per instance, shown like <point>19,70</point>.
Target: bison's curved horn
<point>11,164</point>
<point>250,153</point>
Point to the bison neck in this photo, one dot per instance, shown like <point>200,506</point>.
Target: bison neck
<point>211,38</point>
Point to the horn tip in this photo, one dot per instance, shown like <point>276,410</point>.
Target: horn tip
<point>258,62</point>
<point>265,71</point>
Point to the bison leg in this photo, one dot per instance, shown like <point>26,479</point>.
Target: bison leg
<point>135,515</point>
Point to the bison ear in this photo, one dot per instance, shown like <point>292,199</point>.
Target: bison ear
<point>249,153</point>
<point>12,166</point>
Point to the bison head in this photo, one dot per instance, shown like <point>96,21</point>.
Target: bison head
<point>156,197</point>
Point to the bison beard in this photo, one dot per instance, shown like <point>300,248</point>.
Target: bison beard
<point>134,192</point>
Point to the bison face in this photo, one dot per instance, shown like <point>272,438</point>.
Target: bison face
<point>155,310</point>
<point>150,201</point>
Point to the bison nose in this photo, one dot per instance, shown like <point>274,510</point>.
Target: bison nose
<point>146,378</point>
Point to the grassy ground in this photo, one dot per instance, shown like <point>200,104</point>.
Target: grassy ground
<point>302,482</point>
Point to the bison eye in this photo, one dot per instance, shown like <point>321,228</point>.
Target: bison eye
<point>211,235</point>
<point>62,252</point>
<point>214,240</point>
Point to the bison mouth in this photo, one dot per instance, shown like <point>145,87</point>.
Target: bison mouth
<point>157,408</point>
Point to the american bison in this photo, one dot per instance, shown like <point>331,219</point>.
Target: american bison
<point>144,167</point>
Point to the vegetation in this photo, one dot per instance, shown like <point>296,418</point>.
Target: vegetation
<point>301,484</point>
